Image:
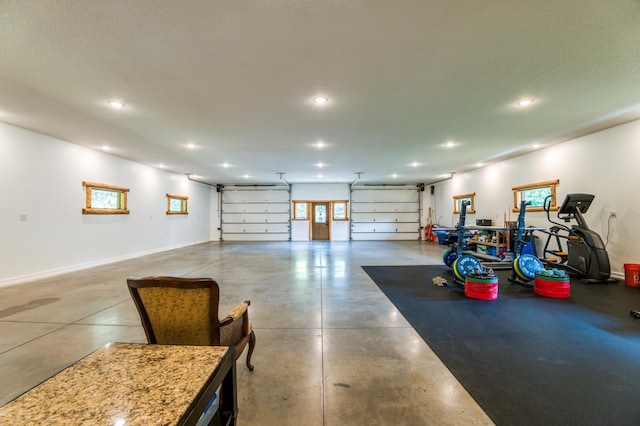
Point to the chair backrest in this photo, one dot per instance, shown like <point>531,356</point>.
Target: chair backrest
<point>177,311</point>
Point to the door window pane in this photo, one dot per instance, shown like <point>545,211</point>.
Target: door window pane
<point>321,214</point>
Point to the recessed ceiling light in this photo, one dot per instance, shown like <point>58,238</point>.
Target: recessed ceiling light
<point>116,104</point>
<point>395,175</point>
<point>415,164</point>
<point>161,166</point>
<point>479,164</point>
<point>191,145</point>
<point>320,176</point>
<point>225,165</point>
<point>449,144</point>
<point>105,147</point>
<point>320,165</point>
<point>320,100</point>
<point>246,176</point>
<point>524,102</point>
<point>535,146</point>
<point>320,144</point>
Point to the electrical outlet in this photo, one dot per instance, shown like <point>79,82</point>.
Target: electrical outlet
<point>613,213</point>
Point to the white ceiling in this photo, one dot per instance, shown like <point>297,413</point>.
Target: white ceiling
<point>236,79</point>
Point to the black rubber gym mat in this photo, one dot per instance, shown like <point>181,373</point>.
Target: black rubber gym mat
<point>528,359</point>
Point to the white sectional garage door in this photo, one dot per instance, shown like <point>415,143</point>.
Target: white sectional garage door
<point>385,213</point>
<point>255,214</point>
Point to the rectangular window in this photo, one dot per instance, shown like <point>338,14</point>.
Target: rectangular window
<point>105,199</point>
<point>457,203</point>
<point>177,204</point>
<point>300,210</point>
<point>536,194</point>
<point>340,210</point>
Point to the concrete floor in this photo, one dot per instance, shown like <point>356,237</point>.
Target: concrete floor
<point>331,348</point>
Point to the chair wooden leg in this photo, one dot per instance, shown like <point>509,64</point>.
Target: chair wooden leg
<point>252,344</point>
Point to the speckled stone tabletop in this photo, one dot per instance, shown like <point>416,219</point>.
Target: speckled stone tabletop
<point>119,384</point>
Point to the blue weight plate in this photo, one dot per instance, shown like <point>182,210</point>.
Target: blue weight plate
<point>466,265</point>
<point>449,256</point>
<point>527,265</point>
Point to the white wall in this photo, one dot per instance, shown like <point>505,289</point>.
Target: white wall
<point>41,177</point>
<point>605,164</point>
<point>319,192</point>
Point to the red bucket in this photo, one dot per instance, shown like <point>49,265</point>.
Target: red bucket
<point>481,288</point>
<point>632,274</point>
<point>558,287</point>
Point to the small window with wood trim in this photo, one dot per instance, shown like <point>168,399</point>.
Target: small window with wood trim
<point>177,204</point>
<point>458,199</point>
<point>536,194</point>
<point>300,210</point>
<point>105,199</point>
<point>340,210</point>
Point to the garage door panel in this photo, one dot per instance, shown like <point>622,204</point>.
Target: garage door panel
<point>255,214</point>
<point>384,227</point>
<point>259,228</point>
<point>256,218</point>
<point>385,213</point>
<point>254,196</point>
<point>261,207</point>
<point>384,195</point>
<point>384,217</point>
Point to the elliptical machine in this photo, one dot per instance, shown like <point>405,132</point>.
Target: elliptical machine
<point>586,256</point>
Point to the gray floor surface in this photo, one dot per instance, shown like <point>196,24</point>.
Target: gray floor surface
<point>331,348</point>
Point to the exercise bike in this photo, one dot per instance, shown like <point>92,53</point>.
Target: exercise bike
<point>586,255</point>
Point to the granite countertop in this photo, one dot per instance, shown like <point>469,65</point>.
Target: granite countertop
<point>119,384</point>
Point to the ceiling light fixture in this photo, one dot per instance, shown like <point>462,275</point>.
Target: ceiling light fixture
<point>320,144</point>
<point>415,164</point>
<point>191,145</point>
<point>524,102</point>
<point>116,104</point>
<point>320,165</point>
<point>105,147</point>
<point>320,100</point>
<point>449,144</point>
<point>225,165</point>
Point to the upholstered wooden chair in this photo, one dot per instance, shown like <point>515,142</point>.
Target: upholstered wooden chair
<point>184,311</point>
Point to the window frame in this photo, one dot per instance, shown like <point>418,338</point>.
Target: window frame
<point>330,214</point>
<point>122,198</point>
<point>295,210</point>
<point>458,198</point>
<point>518,190</point>
<point>346,210</point>
<point>184,203</point>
